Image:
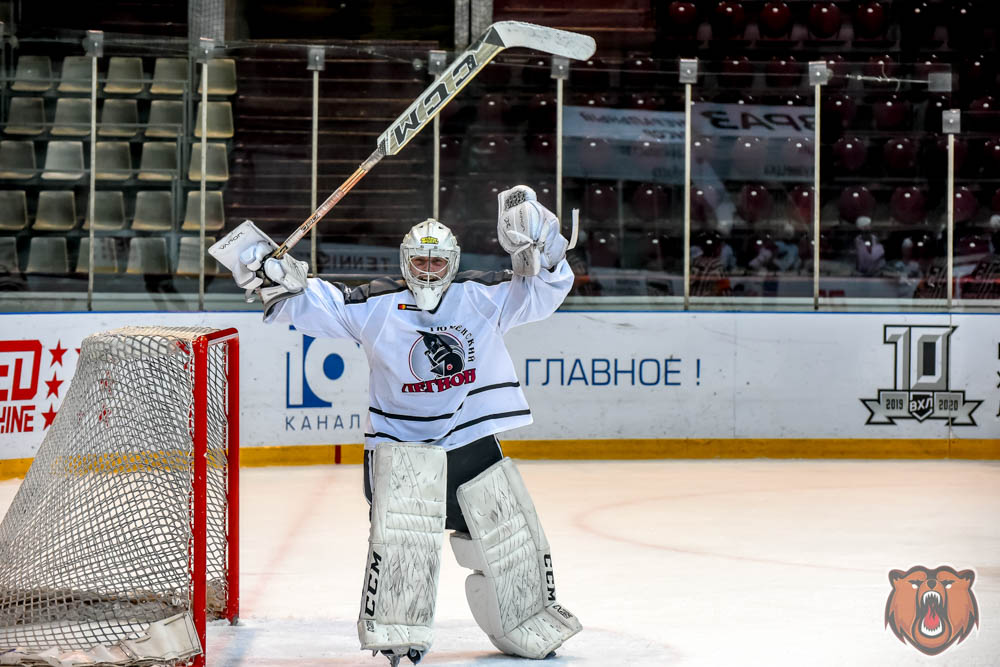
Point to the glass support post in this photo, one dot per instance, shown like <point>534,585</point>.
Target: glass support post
<point>951,123</point>
<point>560,72</point>
<point>688,75</point>
<point>204,55</point>
<point>819,76</point>
<point>316,62</point>
<point>94,44</point>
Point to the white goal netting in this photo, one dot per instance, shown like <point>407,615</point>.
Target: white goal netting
<point>97,545</point>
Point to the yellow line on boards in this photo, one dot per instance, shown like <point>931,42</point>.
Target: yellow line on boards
<point>675,448</point>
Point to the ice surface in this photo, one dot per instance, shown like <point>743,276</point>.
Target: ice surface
<point>665,562</point>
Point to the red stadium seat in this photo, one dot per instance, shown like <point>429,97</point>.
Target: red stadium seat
<point>966,204</point>
<point>492,111</point>
<point>900,156</point>
<point>783,72</point>
<point>650,202</point>
<point>983,104</point>
<point>775,20</point>
<point>855,201</point>
<point>600,202</point>
<point>704,200</point>
<point>908,205</point>
<point>682,19</point>
<point>702,150</point>
<point>850,153</point>
<point>490,153</point>
<point>991,157</point>
<point>754,203</point>
<point>964,27</point>
<point>542,150</point>
<point>936,103</point>
<point>870,20</point>
<point>594,156</point>
<point>737,72</point>
<point>839,110</point>
<point>824,20</point>
<point>729,20</point>
<point>797,152</point>
<point>542,113</point>
<point>603,248</point>
<point>892,113</point>
<point>995,202</point>
<point>645,102</point>
<point>451,152</point>
<point>838,71</point>
<point>749,153</point>
<point>537,72</point>
<point>917,24</point>
<point>639,71</point>
<point>979,73</point>
<point>800,204</point>
<point>593,74</point>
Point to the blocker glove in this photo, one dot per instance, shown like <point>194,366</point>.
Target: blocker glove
<point>285,277</point>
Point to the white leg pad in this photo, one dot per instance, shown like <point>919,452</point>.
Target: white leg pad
<point>512,594</point>
<point>404,556</point>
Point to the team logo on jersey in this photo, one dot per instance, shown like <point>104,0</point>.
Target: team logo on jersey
<point>440,359</point>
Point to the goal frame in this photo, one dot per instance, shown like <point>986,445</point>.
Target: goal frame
<point>199,556</point>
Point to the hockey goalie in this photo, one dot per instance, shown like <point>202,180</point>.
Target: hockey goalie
<point>442,387</point>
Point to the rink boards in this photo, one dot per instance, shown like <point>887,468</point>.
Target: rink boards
<point>600,385</point>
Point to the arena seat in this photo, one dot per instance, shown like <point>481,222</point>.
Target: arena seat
<point>650,202</point>
<point>775,20</point>
<point>492,110</point>
<point>75,76</point>
<point>48,255</point>
<point>216,166</point>
<point>850,154</point>
<point>119,118</point>
<point>899,156</point>
<point>800,204</point>
<point>147,256</point>
<point>188,261</point>
<point>891,113</point>
<point>220,120</point>
<point>754,203</point>
<point>824,20</point>
<point>542,151</point>
<point>783,72</point>
<point>603,248</point>
<point>966,204</point>
<point>169,76</point>
<point>736,72</point>
<point>17,159</point>
<point>124,76</point>
<point>8,255</point>
<point>56,211</point>
<point>13,210</point>
<point>221,77</point>
<point>26,116</point>
<point>592,74</point>
<point>154,211</point>
<point>215,218</point>
<point>990,157</point>
<point>158,161</point>
<point>640,71</point>
<point>32,73</point>
<point>105,255</point>
<point>855,201</point>
<point>908,205</point>
<point>166,117</point>
<point>72,117</point>
<point>729,21</point>
<point>63,161</point>
<point>109,211</point>
<point>594,155</point>
<point>600,202</point>
<point>682,20</point>
<point>870,20</point>
<point>542,113</point>
<point>114,161</point>
<point>704,200</point>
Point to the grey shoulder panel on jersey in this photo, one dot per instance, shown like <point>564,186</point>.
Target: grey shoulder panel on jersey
<point>377,287</point>
<point>484,277</point>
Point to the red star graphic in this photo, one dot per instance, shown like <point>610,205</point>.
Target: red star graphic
<point>50,415</point>
<point>53,386</point>
<point>57,353</point>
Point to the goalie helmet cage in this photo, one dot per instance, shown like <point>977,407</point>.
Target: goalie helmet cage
<point>122,540</point>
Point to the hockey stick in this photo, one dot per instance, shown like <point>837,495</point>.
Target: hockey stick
<point>499,36</point>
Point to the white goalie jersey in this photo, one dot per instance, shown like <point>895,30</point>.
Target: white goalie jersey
<point>441,376</point>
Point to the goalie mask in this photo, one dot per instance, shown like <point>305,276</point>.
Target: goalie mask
<point>428,257</point>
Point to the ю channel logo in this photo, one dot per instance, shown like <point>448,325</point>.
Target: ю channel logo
<point>311,373</point>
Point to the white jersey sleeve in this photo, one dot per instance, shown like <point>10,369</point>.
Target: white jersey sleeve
<point>533,298</point>
<point>321,311</point>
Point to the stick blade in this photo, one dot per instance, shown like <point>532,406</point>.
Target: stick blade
<point>563,43</point>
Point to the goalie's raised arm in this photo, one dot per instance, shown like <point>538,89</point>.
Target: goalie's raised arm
<point>528,231</point>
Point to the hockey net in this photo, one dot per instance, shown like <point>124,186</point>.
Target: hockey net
<point>121,541</point>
